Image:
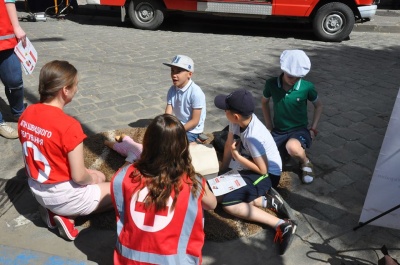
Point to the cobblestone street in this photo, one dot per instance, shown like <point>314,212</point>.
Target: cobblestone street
<point>123,82</point>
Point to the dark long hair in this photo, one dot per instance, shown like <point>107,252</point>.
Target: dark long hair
<point>164,161</point>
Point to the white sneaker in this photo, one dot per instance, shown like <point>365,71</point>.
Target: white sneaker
<point>7,131</point>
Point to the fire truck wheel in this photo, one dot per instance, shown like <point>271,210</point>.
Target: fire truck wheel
<point>146,14</point>
<point>333,22</point>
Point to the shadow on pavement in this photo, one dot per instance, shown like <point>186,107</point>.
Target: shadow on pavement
<point>98,245</point>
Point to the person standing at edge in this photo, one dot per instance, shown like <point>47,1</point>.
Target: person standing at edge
<point>290,93</point>
<point>185,99</point>
<point>10,66</point>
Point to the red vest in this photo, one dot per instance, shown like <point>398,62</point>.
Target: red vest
<point>7,37</point>
<point>149,237</point>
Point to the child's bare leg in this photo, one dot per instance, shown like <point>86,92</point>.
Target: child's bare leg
<point>250,212</point>
<point>105,203</point>
<point>295,150</point>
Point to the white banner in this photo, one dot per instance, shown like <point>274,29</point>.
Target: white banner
<point>384,189</point>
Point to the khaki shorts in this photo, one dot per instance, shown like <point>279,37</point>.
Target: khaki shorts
<point>66,198</point>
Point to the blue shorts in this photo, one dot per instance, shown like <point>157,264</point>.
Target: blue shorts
<point>301,134</point>
<point>256,186</point>
<point>192,137</point>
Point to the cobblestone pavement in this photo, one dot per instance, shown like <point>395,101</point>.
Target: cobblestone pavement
<point>123,81</point>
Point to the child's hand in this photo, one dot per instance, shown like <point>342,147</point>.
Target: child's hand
<point>235,149</point>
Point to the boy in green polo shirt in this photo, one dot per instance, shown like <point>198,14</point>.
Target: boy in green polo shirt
<point>290,93</point>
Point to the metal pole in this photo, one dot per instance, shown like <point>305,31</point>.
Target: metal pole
<point>376,217</point>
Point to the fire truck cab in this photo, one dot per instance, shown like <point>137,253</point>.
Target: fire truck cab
<point>332,20</point>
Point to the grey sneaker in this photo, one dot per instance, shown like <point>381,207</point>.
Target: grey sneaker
<point>7,131</point>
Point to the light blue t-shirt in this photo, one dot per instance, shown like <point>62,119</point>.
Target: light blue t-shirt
<point>256,141</point>
<point>184,100</point>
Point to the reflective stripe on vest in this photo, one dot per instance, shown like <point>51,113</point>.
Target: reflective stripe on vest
<point>181,257</point>
<point>6,37</point>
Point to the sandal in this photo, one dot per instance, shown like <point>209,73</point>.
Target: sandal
<point>308,173</point>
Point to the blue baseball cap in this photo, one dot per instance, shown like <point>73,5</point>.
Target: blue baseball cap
<point>240,101</point>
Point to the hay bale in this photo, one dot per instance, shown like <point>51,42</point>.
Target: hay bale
<point>219,226</point>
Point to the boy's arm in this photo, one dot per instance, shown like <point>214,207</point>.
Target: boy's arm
<point>196,113</point>
<point>168,109</point>
<point>316,116</point>
<point>266,113</point>
<point>12,14</point>
<point>226,158</point>
<point>258,165</point>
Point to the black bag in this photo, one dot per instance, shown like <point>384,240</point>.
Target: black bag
<point>220,139</point>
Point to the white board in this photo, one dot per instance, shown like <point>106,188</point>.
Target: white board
<point>204,159</point>
<point>384,189</point>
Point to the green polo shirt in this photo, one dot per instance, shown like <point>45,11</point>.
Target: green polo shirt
<point>290,108</point>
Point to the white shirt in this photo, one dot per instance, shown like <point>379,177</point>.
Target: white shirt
<point>256,141</point>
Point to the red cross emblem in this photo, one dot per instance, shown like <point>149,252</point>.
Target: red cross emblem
<point>150,213</point>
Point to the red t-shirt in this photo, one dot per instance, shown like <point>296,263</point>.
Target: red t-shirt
<point>47,135</point>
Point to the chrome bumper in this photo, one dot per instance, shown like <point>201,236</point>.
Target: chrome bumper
<point>367,12</point>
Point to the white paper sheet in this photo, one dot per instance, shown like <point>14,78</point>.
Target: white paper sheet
<point>227,182</point>
<point>27,56</point>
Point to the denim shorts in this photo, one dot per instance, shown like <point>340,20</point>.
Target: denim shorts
<point>192,137</point>
<point>301,134</point>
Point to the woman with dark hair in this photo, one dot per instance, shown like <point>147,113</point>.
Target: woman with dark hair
<point>52,145</point>
<point>159,200</point>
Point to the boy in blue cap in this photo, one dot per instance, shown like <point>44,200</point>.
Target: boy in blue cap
<point>255,156</point>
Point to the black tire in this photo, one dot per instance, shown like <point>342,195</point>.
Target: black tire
<point>146,14</point>
<point>333,22</point>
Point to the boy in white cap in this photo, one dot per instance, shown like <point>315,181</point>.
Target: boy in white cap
<point>290,93</point>
<point>185,99</point>
<point>251,150</point>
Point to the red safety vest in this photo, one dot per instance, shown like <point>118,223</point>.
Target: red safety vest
<point>149,237</point>
<point>7,36</point>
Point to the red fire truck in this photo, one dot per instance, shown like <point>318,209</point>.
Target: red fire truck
<point>332,20</point>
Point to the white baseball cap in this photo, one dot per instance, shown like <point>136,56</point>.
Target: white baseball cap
<point>182,61</point>
<point>295,63</point>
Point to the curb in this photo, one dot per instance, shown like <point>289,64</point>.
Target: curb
<point>375,28</point>
<point>19,256</point>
